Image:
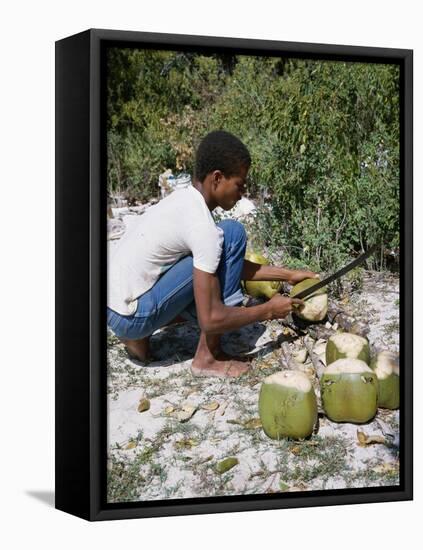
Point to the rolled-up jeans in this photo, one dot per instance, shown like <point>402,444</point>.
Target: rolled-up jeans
<point>173,292</point>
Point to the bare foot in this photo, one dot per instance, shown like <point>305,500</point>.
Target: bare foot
<point>223,356</point>
<point>222,369</point>
<point>138,349</point>
<point>210,360</point>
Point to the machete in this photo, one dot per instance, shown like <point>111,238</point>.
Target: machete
<point>336,275</point>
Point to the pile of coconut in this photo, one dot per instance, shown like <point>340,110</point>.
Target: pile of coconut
<point>351,388</point>
<point>352,385</point>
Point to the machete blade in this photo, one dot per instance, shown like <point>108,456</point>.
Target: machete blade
<point>336,275</point>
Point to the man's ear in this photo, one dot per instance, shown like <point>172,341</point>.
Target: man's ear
<point>216,178</point>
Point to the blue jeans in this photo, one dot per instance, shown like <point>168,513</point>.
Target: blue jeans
<point>173,292</point>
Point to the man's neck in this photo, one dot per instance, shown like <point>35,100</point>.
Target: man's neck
<point>211,205</point>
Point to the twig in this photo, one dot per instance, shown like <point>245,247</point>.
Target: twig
<point>272,479</point>
<point>340,228</point>
<point>315,359</point>
<point>223,408</point>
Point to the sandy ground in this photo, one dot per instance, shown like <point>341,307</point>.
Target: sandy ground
<point>172,450</point>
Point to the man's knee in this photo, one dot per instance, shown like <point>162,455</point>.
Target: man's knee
<point>233,230</point>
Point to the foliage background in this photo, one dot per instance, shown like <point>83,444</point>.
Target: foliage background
<point>324,138</point>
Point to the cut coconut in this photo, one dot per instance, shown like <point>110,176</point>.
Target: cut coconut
<point>349,391</point>
<point>346,345</point>
<point>316,305</point>
<point>385,365</point>
<point>287,405</point>
<point>258,289</point>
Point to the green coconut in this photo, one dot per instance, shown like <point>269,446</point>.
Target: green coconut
<point>346,345</point>
<point>258,289</point>
<point>386,367</point>
<point>287,405</point>
<point>316,305</point>
<point>349,391</point>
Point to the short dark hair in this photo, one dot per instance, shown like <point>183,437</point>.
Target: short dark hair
<point>220,150</point>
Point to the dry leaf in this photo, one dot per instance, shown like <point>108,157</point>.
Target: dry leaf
<point>296,450</point>
<point>212,406</point>
<point>186,443</point>
<point>186,413</point>
<point>252,424</point>
<point>364,439</point>
<point>143,405</point>
<point>375,439</point>
<point>131,445</point>
<point>223,408</point>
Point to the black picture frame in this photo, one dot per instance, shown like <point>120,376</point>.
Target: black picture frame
<point>81,256</point>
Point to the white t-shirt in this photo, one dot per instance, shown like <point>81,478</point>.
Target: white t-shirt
<point>179,225</point>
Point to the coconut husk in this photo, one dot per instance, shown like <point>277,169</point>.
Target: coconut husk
<point>319,332</point>
<point>345,321</point>
<point>287,355</point>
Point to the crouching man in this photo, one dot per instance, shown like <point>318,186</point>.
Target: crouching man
<point>176,264</point>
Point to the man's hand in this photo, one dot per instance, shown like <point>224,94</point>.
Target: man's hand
<point>280,305</point>
<point>298,275</point>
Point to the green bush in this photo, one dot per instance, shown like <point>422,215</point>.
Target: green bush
<point>323,135</point>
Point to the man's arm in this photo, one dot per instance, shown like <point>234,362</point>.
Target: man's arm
<point>215,317</point>
<point>259,272</point>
